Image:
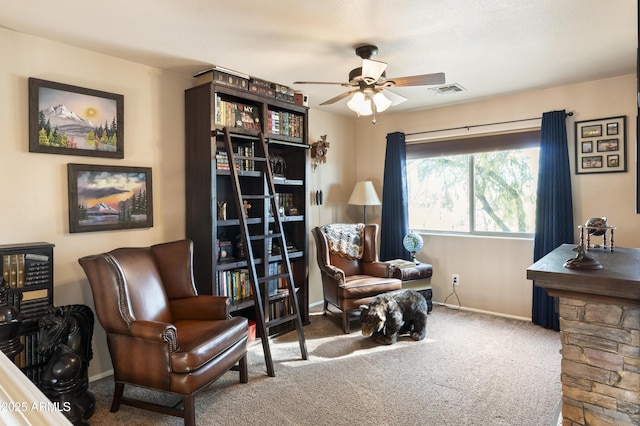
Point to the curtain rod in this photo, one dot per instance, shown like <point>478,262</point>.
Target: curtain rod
<point>568,114</point>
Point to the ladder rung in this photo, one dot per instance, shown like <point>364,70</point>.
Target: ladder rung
<point>280,320</point>
<point>272,277</point>
<point>264,236</point>
<point>244,157</point>
<point>219,132</point>
<point>257,197</point>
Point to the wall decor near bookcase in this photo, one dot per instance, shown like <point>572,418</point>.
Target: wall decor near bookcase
<point>211,217</point>
<point>28,268</point>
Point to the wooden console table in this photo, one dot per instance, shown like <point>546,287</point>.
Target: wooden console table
<point>600,334</point>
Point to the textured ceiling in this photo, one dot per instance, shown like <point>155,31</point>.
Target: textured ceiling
<point>489,47</point>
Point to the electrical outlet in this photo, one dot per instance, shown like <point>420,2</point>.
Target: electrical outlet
<point>455,279</point>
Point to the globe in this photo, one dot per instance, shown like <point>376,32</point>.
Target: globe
<point>413,243</point>
<point>597,225</point>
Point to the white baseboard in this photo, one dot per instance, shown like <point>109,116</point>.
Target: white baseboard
<point>498,314</point>
<point>101,375</point>
<point>481,311</point>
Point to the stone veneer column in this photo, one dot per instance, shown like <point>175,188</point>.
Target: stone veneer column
<point>600,333</point>
<point>600,363</point>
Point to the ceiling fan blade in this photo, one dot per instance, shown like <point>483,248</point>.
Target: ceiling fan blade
<point>394,97</point>
<point>416,80</point>
<point>339,97</point>
<point>372,69</point>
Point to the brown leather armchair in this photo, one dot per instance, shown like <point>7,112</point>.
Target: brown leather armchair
<point>348,283</point>
<point>160,333</point>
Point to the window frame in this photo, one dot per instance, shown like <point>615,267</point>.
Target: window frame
<point>470,145</point>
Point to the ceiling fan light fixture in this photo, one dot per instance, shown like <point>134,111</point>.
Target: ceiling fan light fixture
<point>360,104</point>
<point>381,101</point>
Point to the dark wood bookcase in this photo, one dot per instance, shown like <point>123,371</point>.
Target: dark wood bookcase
<point>218,258</point>
<point>28,268</point>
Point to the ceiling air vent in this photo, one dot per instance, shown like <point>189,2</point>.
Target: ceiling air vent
<point>448,89</point>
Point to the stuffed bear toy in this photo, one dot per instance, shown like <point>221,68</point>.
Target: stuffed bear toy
<point>393,313</point>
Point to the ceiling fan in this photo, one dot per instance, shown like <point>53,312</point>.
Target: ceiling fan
<point>371,92</point>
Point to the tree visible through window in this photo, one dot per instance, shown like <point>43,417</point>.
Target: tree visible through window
<point>486,192</point>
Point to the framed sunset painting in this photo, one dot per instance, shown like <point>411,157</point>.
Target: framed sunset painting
<point>106,198</point>
<point>65,119</point>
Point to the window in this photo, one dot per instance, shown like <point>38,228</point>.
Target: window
<point>482,185</point>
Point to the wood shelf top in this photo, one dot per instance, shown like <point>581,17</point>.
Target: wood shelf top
<point>618,280</point>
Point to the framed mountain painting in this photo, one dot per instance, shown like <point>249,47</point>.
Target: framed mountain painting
<point>107,198</point>
<point>72,120</point>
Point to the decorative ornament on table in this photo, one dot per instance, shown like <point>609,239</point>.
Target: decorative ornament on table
<point>413,243</point>
<point>583,260</point>
<point>319,151</point>
<point>596,227</point>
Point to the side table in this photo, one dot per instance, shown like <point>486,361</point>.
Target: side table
<point>415,277</point>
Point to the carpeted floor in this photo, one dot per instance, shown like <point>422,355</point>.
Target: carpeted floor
<point>472,369</point>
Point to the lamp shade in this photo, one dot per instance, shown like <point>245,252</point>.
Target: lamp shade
<point>381,101</point>
<point>360,103</point>
<point>364,194</point>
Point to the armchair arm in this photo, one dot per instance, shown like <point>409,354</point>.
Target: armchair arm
<point>200,308</point>
<point>378,269</point>
<point>333,272</point>
<point>155,331</point>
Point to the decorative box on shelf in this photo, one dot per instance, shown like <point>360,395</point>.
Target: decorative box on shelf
<point>225,76</point>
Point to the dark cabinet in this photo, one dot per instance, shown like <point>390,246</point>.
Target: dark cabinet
<point>28,268</point>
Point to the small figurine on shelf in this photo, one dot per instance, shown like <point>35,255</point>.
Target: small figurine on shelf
<point>222,210</point>
<point>278,165</point>
<point>246,207</point>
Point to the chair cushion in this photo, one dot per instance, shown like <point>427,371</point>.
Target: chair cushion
<point>201,341</point>
<point>359,286</point>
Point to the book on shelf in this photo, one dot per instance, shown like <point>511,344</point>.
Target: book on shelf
<point>285,123</point>
<point>234,284</point>
<point>272,285</point>
<point>243,164</point>
<point>36,269</point>
<point>23,270</point>
<point>401,263</point>
<point>13,269</point>
<point>34,304</point>
<point>236,114</point>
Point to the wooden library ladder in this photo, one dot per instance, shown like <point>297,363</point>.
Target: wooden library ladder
<point>258,238</point>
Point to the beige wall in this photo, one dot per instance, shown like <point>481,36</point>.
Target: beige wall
<point>34,186</point>
<point>335,179</point>
<point>493,270</point>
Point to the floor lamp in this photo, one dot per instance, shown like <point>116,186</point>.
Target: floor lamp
<point>364,194</point>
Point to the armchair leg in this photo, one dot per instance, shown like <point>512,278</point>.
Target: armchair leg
<point>117,394</point>
<point>325,307</point>
<point>244,372</point>
<point>188,402</point>
<point>345,322</point>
